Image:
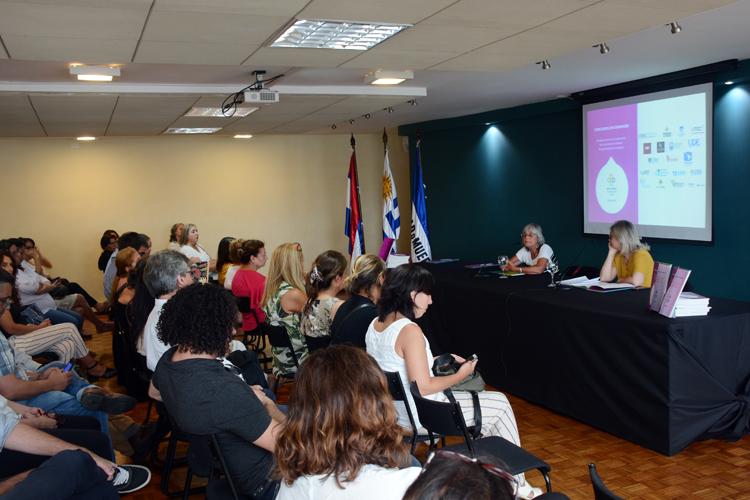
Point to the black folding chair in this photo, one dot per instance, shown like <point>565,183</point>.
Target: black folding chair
<point>396,388</point>
<point>255,340</point>
<point>315,343</point>
<point>279,338</point>
<point>601,492</point>
<point>447,419</point>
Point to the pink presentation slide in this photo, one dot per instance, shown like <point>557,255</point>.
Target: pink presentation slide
<point>613,163</point>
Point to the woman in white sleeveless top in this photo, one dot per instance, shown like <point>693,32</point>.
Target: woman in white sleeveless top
<point>398,345</point>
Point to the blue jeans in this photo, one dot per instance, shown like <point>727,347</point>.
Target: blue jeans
<point>67,402</point>
<point>57,316</point>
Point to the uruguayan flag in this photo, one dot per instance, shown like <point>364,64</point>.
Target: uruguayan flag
<point>391,216</point>
<point>420,238</point>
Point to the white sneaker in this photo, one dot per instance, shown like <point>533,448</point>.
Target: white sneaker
<point>130,478</point>
<point>527,491</point>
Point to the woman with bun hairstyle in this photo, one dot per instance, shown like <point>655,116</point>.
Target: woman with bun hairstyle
<point>248,282</point>
<point>322,284</point>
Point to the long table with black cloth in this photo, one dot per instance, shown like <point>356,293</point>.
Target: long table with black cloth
<point>601,358</point>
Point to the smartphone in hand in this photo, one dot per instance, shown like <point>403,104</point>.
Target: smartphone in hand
<point>68,367</point>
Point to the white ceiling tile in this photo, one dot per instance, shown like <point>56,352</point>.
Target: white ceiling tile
<point>71,115</point>
<point>432,38</point>
<point>191,53</point>
<point>66,21</point>
<point>211,28</point>
<point>96,4</point>
<point>505,15</point>
<point>201,122</point>
<point>38,48</point>
<point>149,114</point>
<point>397,59</point>
<point>300,58</point>
<point>17,118</point>
<point>385,11</point>
<point>255,7</point>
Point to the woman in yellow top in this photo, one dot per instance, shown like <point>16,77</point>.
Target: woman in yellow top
<point>628,259</point>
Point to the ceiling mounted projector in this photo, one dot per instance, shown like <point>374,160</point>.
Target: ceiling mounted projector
<point>262,96</point>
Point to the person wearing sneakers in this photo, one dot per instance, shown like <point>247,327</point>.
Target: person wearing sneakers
<point>53,389</point>
<point>76,468</point>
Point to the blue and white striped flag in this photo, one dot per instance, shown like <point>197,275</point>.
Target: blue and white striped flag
<point>420,238</point>
<point>391,215</point>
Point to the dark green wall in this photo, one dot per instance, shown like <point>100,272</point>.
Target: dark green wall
<point>485,182</point>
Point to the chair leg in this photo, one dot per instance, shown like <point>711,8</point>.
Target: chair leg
<point>547,481</point>
<point>188,482</point>
<point>148,411</point>
<point>168,463</point>
<point>413,443</point>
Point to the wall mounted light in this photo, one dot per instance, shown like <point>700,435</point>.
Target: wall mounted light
<point>383,77</point>
<point>94,73</point>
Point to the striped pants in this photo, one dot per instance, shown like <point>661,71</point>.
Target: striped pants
<point>497,415</point>
<point>63,339</point>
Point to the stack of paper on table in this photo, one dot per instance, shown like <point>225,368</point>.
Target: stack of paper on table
<point>596,285</point>
<point>691,304</point>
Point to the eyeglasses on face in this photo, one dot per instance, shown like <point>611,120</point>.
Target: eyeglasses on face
<point>490,468</point>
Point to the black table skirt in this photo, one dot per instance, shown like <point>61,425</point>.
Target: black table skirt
<point>603,359</point>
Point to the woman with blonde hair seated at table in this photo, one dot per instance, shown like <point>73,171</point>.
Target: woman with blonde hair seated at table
<point>534,256</point>
<point>341,438</point>
<point>628,259</point>
<point>283,300</point>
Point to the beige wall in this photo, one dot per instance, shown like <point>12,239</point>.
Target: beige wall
<point>275,188</point>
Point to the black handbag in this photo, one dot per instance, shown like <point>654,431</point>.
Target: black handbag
<point>445,364</point>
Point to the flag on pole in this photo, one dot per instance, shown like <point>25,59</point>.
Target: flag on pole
<point>420,238</point>
<point>391,215</point>
<point>354,226</point>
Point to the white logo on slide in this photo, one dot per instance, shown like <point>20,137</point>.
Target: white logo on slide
<point>611,187</point>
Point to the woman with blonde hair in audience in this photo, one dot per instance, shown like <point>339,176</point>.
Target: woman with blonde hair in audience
<point>234,259</point>
<point>192,250</point>
<point>398,345</point>
<point>341,438</point>
<point>322,285</point>
<point>628,259</point>
<point>283,301</point>
<point>355,315</point>
<point>126,260</point>
<point>63,339</point>
<point>175,236</point>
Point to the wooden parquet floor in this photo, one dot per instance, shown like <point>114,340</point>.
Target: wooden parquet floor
<point>705,470</point>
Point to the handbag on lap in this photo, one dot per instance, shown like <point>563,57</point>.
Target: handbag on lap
<point>445,364</point>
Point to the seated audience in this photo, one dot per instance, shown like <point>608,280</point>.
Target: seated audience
<point>193,251</point>
<point>223,259</point>
<point>355,315</point>
<point>322,285</point>
<point>76,469</point>
<point>534,256</point>
<point>248,282</point>
<point>452,476</point>
<point>140,242</point>
<point>342,438</point>
<point>62,339</point>
<point>234,258</point>
<point>628,259</point>
<point>283,300</point>
<point>175,235</point>
<point>166,272</point>
<point>398,345</point>
<point>108,243</point>
<point>204,397</point>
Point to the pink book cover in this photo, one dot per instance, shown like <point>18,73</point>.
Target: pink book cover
<point>676,285</point>
<point>659,284</point>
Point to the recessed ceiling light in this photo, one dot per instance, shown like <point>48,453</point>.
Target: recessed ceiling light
<point>729,82</point>
<point>243,136</point>
<point>322,34</point>
<point>192,130</point>
<point>94,73</point>
<point>210,111</point>
<point>381,77</point>
<point>86,138</point>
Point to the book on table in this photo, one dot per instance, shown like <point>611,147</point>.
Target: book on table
<point>596,285</point>
<point>659,283</point>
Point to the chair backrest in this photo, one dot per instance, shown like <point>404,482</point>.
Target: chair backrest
<point>396,388</point>
<point>279,338</point>
<point>441,417</point>
<point>243,304</point>
<point>601,492</point>
<point>315,343</point>
<point>214,445</point>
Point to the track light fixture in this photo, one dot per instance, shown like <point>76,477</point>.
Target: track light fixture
<point>351,122</point>
<point>413,102</point>
<point>545,64</point>
<point>389,110</point>
<point>603,47</point>
<point>674,27</point>
<point>366,116</point>
<point>333,127</point>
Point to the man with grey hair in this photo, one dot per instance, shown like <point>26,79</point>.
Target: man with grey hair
<point>165,273</point>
